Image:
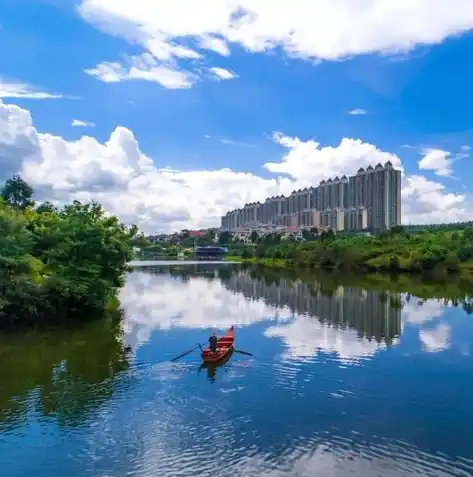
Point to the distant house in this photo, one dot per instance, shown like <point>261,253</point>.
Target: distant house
<point>210,252</point>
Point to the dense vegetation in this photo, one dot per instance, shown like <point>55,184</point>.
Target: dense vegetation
<point>57,263</point>
<point>433,250</point>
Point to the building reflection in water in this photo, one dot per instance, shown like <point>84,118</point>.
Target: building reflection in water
<point>375,315</point>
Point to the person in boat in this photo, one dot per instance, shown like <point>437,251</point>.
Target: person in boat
<point>213,342</point>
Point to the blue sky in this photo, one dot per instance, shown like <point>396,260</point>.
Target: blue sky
<point>298,68</point>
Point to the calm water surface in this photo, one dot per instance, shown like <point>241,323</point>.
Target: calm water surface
<point>343,382</point>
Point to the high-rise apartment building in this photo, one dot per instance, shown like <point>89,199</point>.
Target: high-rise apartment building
<point>369,200</point>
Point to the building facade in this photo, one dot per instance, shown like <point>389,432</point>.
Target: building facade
<point>369,200</point>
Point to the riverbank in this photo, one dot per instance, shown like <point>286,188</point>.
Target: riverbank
<point>465,270</point>
<point>442,251</point>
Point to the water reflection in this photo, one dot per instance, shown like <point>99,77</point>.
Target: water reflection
<point>345,380</point>
<point>64,374</point>
<point>350,322</point>
<point>212,368</point>
<point>309,316</point>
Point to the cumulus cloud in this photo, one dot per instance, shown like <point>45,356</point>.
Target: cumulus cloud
<point>309,162</point>
<point>13,89</point>
<point>357,112</point>
<point>425,201</point>
<point>84,124</point>
<point>126,181</point>
<point>303,29</point>
<point>437,160</point>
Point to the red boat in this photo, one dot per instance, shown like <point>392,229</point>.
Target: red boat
<point>224,347</point>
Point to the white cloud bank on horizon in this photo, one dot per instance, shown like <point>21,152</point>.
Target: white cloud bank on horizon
<point>176,36</point>
<point>127,182</point>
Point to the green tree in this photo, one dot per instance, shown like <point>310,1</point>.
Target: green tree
<point>17,193</point>
<point>254,236</point>
<point>46,207</point>
<point>224,238</point>
<point>20,272</point>
<point>468,234</point>
<point>397,230</point>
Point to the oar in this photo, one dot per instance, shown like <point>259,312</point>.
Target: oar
<point>186,353</point>
<point>243,352</point>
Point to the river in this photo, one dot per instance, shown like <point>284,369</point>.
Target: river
<point>344,380</point>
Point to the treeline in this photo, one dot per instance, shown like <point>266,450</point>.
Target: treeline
<point>439,249</point>
<point>58,263</point>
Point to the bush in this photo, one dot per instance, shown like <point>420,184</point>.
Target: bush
<point>452,263</point>
<point>394,263</point>
<point>247,253</point>
<point>465,253</point>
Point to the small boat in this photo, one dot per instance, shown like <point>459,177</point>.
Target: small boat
<point>224,347</point>
<point>212,367</point>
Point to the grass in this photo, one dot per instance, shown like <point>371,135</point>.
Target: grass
<point>267,262</point>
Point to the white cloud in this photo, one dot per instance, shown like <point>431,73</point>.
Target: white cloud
<point>83,124</point>
<point>154,302</point>
<point>308,162</point>
<point>465,148</point>
<point>305,337</point>
<point>119,175</point>
<point>425,201</point>
<point>304,28</point>
<point>357,112</point>
<point>221,73</point>
<point>436,339</point>
<point>418,312</point>
<point>437,160</point>
<point>13,89</point>
<point>144,67</point>
<point>208,42</point>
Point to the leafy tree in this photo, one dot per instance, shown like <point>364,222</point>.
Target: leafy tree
<point>210,235</point>
<point>254,236</point>
<point>397,230</point>
<point>224,238</point>
<point>17,193</point>
<point>46,207</point>
<point>468,234</point>
<point>465,253</point>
